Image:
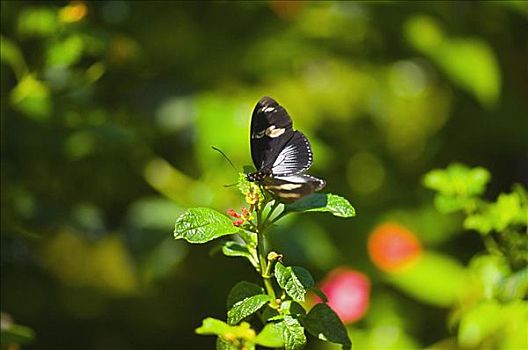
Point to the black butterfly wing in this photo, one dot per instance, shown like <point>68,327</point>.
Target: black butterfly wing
<point>294,158</point>
<point>271,129</point>
<point>292,188</point>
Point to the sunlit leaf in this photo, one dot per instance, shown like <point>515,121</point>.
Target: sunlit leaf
<point>271,336</point>
<point>246,307</point>
<point>324,202</point>
<point>32,97</point>
<point>290,307</point>
<point>479,323</point>
<point>11,54</point>
<point>458,179</point>
<point>498,216</point>
<point>212,326</point>
<point>232,248</point>
<point>222,344</point>
<point>292,333</point>
<point>38,21</point>
<point>200,225</point>
<point>66,52</point>
<point>490,270</point>
<point>295,280</point>
<point>514,286</point>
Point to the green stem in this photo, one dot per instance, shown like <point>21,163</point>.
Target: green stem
<point>263,260</point>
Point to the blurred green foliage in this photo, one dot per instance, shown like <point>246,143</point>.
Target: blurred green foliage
<point>109,109</point>
<point>493,312</point>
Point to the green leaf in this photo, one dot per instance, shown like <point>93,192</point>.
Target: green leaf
<point>241,291</point>
<point>65,53</point>
<point>448,204</point>
<point>246,307</point>
<point>233,248</point>
<point>294,280</point>
<point>15,334</point>
<point>213,326</point>
<point>322,322</point>
<point>323,202</point>
<point>490,270</point>
<point>514,286</point>
<point>268,314</point>
<point>290,307</point>
<point>479,322</point>
<point>468,62</point>
<point>222,344</point>
<point>38,21</point>
<point>249,237</point>
<point>271,336</point>
<point>200,225</point>
<point>229,337</point>
<point>507,211</point>
<point>32,97</point>
<point>458,180</point>
<point>10,53</point>
<point>292,333</point>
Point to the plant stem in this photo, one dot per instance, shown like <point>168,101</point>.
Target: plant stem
<point>263,260</point>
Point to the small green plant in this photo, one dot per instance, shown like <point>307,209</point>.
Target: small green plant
<point>277,304</point>
<point>494,312</point>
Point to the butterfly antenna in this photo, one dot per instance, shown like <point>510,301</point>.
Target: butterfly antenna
<point>226,158</point>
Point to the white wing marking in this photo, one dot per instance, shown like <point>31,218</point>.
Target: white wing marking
<point>295,158</point>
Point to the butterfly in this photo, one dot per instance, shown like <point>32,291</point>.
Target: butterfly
<point>280,154</point>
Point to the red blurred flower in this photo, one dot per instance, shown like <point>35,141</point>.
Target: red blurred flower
<point>245,213</point>
<point>348,293</point>
<point>233,213</point>
<point>393,247</point>
<point>238,223</point>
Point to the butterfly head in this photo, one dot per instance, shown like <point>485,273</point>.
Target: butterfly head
<point>257,176</point>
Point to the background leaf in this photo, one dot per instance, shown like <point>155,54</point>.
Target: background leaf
<point>468,62</point>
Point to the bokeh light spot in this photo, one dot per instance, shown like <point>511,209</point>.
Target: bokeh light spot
<point>365,173</point>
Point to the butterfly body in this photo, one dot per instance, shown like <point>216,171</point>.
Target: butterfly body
<point>280,154</point>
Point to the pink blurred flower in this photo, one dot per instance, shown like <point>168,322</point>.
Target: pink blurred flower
<point>348,293</point>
